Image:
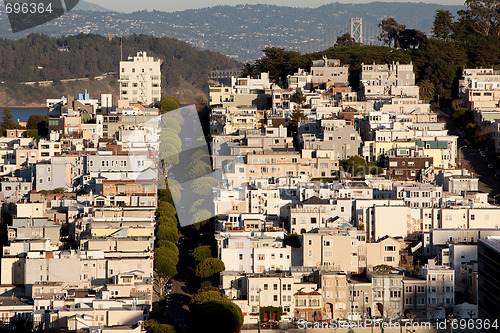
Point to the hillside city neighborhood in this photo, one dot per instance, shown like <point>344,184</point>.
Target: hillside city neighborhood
<point>278,167</point>
<point>334,203</point>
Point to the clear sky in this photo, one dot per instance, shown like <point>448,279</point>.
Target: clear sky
<point>169,5</point>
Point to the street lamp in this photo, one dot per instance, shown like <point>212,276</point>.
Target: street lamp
<point>410,316</point>
<point>450,318</point>
<point>495,198</point>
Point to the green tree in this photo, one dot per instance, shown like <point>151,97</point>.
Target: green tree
<point>216,317</point>
<point>203,186</point>
<point>169,104</point>
<point>297,116</point>
<point>298,97</point>
<point>280,63</point>
<point>175,189</point>
<point>208,294</point>
<point>165,209</point>
<point>357,166</point>
<point>391,31</point>
<point>202,215</point>
<point>345,40</point>
<point>169,245</point>
<point>40,123</point>
<point>7,120</point>
<point>443,24</point>
<point>197,206</point>
<point>169,156</point>
<point>442,74</point>
<point>293,240</point>
<point>167,232</point>
<point>172,138</point>
<point>170,124</point>
<point>199,154</point>
<point>272,311</point>
<point>426,90</point>
<point>32,133</point>
<point>483,16</point>
<point>199,169</point>
<point>209,267</point>
<point>202,252</point>
<point>212,311</point>
<point>411,39</point>
<point>153,326</point>
<point>165,263</point>
<point>459,116</point>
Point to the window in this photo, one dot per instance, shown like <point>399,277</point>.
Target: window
<point>389,259</point>
<point>241,256</point>
<point>409,289</point>
<point>390,248</point>
<point>266,286</point>
<point>395,293</point>
<point>275,298</point>
<point>275,287</point>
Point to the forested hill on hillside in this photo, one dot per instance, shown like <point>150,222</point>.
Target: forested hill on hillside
<point>185,69</point>
<point>245,30</point>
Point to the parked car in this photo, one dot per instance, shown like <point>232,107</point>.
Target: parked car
<point>490,166</point>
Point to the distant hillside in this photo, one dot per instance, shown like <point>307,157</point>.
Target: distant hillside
<point>243,31</point>
<point>92,7</point>
<point>15,94</point>
<point>185,69</point>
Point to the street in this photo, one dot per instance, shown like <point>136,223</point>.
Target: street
<point>473,161</point>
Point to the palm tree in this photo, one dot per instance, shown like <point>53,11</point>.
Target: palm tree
<point>426,90</point>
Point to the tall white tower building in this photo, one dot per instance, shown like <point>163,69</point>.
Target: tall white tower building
<point>140,79</point>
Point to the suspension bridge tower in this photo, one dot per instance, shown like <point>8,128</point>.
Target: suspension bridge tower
<point>357,29</point>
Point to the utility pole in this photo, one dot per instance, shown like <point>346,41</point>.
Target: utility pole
<point>258,315</point>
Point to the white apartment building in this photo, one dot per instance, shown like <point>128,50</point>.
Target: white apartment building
<point>479,78</point>
<point>339,251</point>
<point>271,290</point>
<point>332,251</point>
<point>419,195</point>
<point>254,254</point>
<point>302,80</point>
<point>387,298</point>
<point>48,149</point>
<point>463,259</point>
<point>84,269</point>
<point>440,290</point>
<point>140,79</point>
<point>329,71</point>
<point>377,80</point>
